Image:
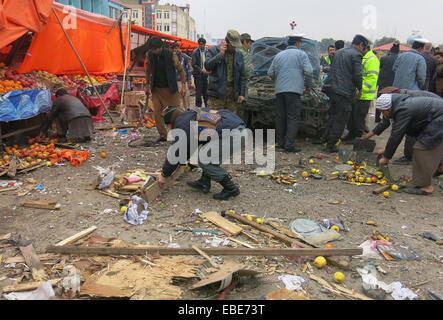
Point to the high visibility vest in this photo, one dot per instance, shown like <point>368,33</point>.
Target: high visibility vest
<point>328,60</point>
<point>371,71</point>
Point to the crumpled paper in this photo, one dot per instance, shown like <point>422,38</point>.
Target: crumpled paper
<point>132,216</point>
<point>291,282</point>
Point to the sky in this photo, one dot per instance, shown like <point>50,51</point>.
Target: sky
<point>318,19</point>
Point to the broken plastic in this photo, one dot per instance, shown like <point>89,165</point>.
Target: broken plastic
<point>105,177</point>
<point>132,214</point>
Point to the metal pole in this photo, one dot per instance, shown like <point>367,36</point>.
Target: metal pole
<point>128,44</point>
<point>83,65</point>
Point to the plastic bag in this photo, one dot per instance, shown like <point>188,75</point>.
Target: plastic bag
<point>132,215</point>
<point>76,157</point>
<point>105,177</point>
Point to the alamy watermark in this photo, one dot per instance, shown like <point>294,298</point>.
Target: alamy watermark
<point>370,17</point>
<point>205,146</point>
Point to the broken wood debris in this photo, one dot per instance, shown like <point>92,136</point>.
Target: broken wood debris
<point>27,286</point>
<point>203,254</point>
<point>48,205</point>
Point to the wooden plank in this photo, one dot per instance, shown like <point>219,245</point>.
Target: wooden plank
<point>12,170</point>
<point>8,189</point>
<point>76,237</point>
<point>267,252</point>
<point>150,193</point>
<point>41,257</point>
<point>223,223</point>
<point>110,193</point>
<point>32,168</point>
<point>33,262</point>
<point>27,286</point>
<point>5,237</point>
<point>289,241</point>
<point>48,205</point>
<point>339,290</point>
<point>202,253</point>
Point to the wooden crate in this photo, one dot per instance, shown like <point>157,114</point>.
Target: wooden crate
<point>133,113</point>
<point>133,98</point>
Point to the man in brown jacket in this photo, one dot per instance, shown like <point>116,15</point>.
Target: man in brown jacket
<point>439,80</point>
<point>162,66</point>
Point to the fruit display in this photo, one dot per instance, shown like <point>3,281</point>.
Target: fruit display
<point>139,81</point>
<point>10,80</point>
<point>359,176</point>
<point>36,153</point>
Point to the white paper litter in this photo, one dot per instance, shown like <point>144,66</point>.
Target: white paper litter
<point>292,283</point>
<point>216,242</point>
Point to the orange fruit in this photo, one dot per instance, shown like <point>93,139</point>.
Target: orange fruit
<point>329,246</point>
<point>103,155</point>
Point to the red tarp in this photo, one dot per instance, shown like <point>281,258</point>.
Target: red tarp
<point>17,17</point>
<point>388,47</point>
<point>98,46</point>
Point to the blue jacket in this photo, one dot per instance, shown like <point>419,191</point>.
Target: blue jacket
<point>410,71</point>
<point>291,70</point>
<point>184,60</point>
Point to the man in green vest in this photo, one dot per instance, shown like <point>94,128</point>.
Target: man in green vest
<point>246,50</point>
<point>360,108</point>
<point>326,61</point>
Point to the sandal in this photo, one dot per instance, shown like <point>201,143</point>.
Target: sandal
<point>416,191</point>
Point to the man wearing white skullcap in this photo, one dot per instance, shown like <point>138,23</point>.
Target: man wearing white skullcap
<point>421,118</point>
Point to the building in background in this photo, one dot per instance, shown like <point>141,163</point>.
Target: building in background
<point>176,21</point>
<point>109,8</point>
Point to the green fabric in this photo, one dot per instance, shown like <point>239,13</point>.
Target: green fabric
<point>230,66</point>
<point>371,70</point>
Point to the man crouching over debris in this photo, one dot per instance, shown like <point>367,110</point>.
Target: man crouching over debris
<point>421,118</point>
<point>70,115</point>
<point>221,134</point>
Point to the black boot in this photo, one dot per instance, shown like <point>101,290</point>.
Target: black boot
<point>230,189</point>
<point>204,184</point>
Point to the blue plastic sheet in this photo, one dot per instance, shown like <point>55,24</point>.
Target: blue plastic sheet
<point>24,104</point>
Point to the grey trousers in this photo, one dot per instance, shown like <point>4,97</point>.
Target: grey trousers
<point>339,113</point>
<point>357,120</point>
<point>287,117</point>
<point>409,146</point>
<point>219,151</point>
<point>425,164</point>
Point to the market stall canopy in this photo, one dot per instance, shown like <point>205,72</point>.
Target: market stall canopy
<point>17,17</point>
<point>388,47</point>
<point>184,43</point>
<point>97,39</point>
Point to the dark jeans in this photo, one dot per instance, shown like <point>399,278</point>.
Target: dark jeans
<point>357,120</point>
<point>287,116</point>
<point>409,147</point>
<point>201,90</point>
<point>339,114</point>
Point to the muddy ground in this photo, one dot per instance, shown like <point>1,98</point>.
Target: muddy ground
<point>403,217</point>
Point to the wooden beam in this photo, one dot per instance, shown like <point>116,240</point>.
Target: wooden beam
<point>5,237</point>
<point>76,237</point>
<point>51,205</point>
<point>268,252</point>
<point>41,257</point>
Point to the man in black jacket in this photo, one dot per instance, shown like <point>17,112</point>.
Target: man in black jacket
<point>421,118</point>
<point>343,84</point>
<point>387,75</point>
<point>70,115</point>
<point>227,81</point>
<point>162,66</point>
<point>177,119</point>
<point>200,73</point>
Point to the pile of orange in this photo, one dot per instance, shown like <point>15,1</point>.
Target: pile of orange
<point>148,123</point>
<point>100,79</point>
<point>10,85</point>
<point>35,154</point>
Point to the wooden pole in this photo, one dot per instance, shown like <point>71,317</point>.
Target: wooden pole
<point>137,251</point>
<point>128,44</point>
<point>83,65</point>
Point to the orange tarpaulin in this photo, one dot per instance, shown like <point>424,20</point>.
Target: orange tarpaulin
<point>20,16</point>
<point>101,52</point>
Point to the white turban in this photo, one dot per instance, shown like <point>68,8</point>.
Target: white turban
<point>384,102</point>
